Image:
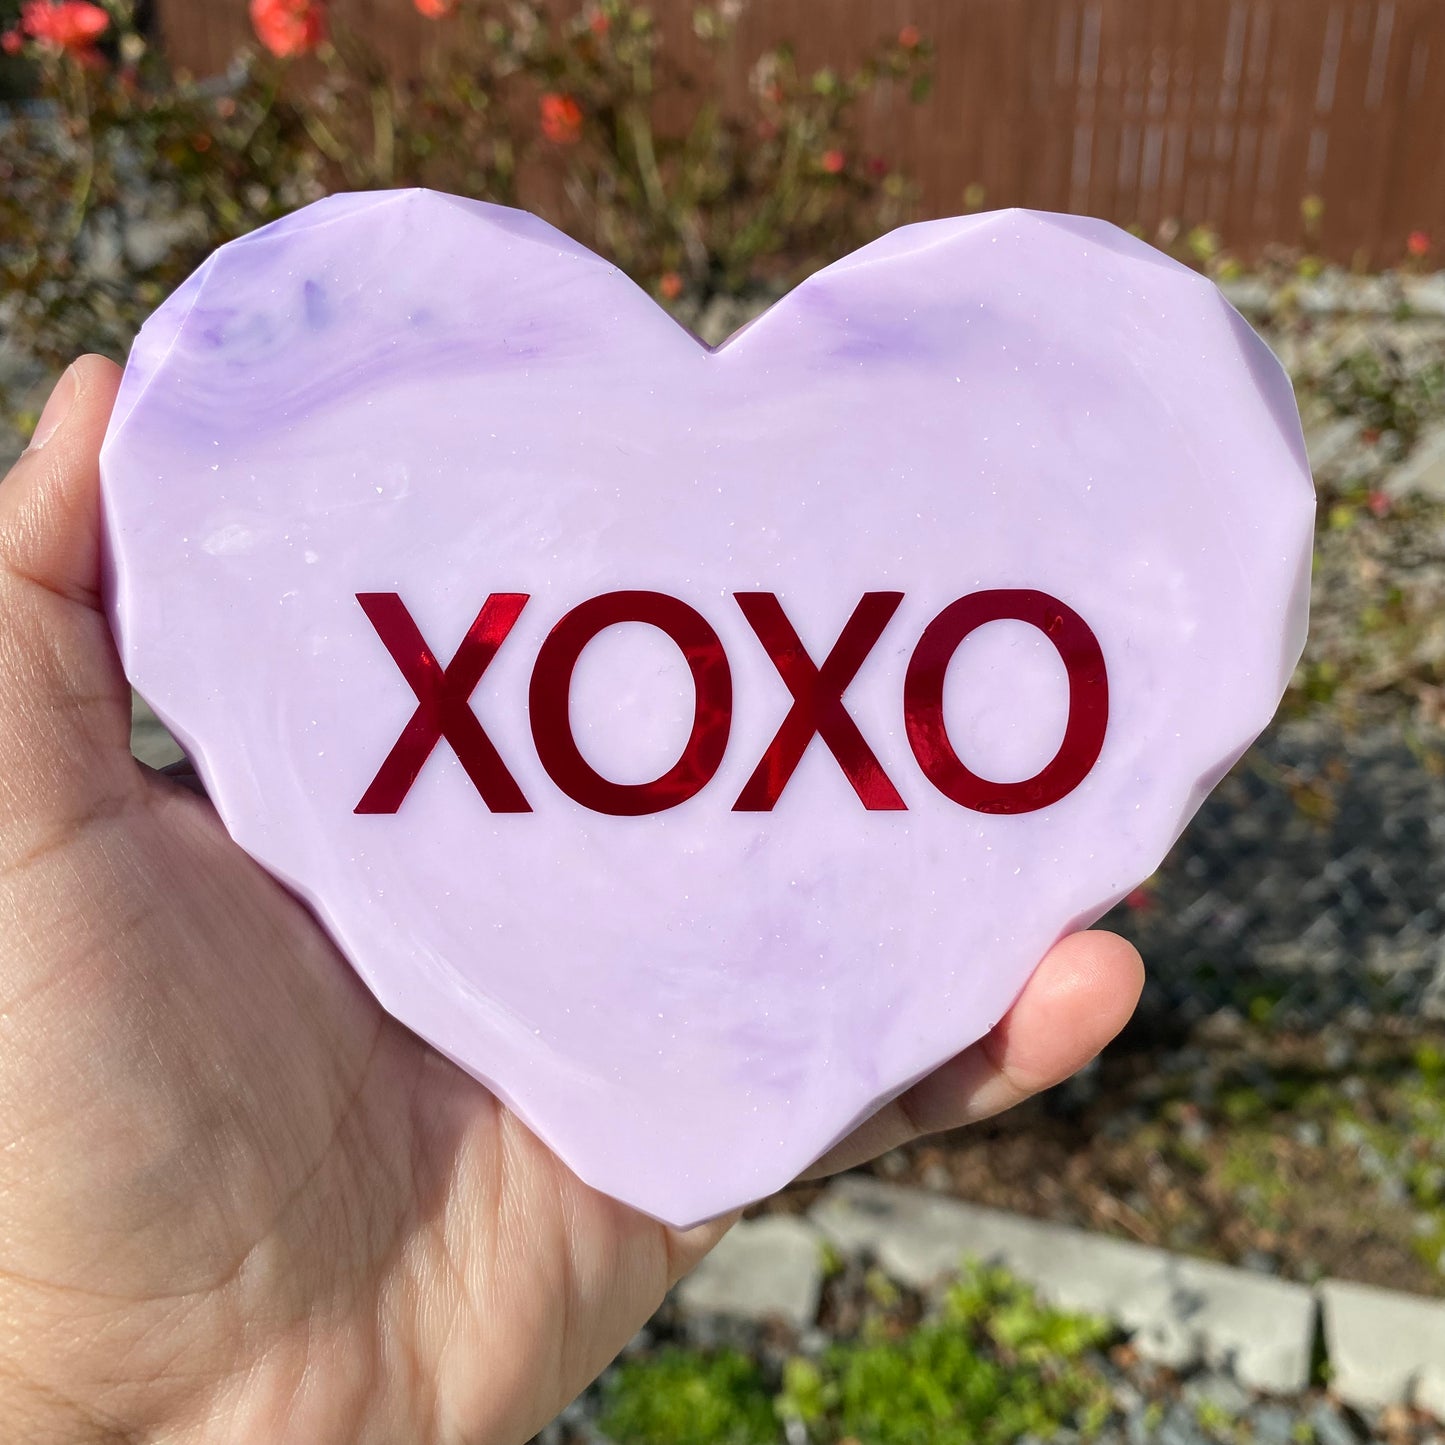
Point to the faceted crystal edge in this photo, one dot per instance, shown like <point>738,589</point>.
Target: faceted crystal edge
<point>689,1207</point>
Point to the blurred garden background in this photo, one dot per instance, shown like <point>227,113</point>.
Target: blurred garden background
<point>1279,1103</point>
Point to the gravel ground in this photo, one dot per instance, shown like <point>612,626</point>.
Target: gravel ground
<point>1309,1156</point>
<point>1309,888</point>
<point>1308,895</point>
<point>1149,1404</point>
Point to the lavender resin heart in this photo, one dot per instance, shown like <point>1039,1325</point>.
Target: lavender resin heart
<point>700,746</point>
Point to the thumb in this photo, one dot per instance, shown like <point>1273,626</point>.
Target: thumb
<point>64,702</point>
<point>49,504</point>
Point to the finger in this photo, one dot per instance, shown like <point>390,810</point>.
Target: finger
<point>49,504</point>
<point>686,1248</point>
<point>1078,999</point>
<point>183,774</point>
<point>64,702</point>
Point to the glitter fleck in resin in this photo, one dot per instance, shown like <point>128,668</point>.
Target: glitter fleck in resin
<point>725,870</point>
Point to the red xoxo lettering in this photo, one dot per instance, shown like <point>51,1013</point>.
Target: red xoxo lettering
<point>444,711</point>
<point>443,696</point>
<point>818,702</point>
<point>712,682</point>
<point>1088,701</point>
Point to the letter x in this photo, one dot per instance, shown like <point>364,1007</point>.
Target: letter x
<point>443,702</point>
<point>818,702</point>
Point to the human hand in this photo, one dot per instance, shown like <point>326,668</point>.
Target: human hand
<point>237,1201</point>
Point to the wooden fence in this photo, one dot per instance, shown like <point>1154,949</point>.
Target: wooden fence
<point>1220,112</point>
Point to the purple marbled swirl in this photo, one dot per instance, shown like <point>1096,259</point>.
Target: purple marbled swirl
<point>415,394</point>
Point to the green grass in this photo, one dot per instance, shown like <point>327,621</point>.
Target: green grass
<point>677,1397</point>
<point>1382,1129</point>
<point>991,1366</point>
<point>995,1366</point>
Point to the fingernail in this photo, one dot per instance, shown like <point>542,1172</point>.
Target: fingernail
<point>56,410</point>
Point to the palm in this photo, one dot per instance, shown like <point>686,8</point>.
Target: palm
<point>239,1134</point>
<point>237,1200</point>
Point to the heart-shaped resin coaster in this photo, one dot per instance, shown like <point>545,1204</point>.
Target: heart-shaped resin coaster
<point>699,746</point>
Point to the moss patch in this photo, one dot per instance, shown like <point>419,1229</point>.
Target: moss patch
<point>991,1366</point>
<point>678,1397</point>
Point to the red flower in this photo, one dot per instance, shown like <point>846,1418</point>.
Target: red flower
<point>561,119</point>
<point>1417,243</point>
<point>1379,504</point>
<point>877,168</point>
<point>1140,900</point>
<point>670,285</point>
<point>598,23</point>
<point>833,162</point>
<point>435,9</point>
<point>289,27</point>
<point>12,42</point>
<point>910,37</point>
<point>63,24</point>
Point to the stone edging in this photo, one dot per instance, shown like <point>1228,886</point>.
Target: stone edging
<point>1383,1348</point>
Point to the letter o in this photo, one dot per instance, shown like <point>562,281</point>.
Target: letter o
<point>550,695</point>
<point>1088,701</point>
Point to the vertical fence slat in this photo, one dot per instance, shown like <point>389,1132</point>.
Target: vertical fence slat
<point>1218,112</point>
<point>1418,179</point>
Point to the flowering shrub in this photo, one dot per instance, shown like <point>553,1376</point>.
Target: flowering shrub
<point>136,172</point>
<point>561,119</point>
<point>288,27</point>
<point>58,25</point>
<point>1393,397</point>
<point>109,200</point>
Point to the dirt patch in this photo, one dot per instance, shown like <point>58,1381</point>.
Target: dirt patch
<point>1303,1156</point>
